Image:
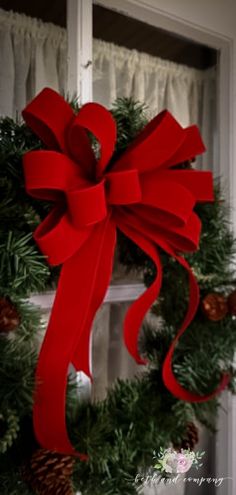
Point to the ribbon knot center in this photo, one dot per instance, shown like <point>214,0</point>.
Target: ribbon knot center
<point>88,205</point>
<point>123,187</point>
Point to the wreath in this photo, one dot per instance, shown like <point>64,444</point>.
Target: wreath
<point>139,416</point>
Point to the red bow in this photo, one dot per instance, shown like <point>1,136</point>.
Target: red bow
<point>140,195</point>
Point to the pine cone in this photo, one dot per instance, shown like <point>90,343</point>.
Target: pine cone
<point>215,306</point>
<point>232,303</point>
<point>49,473</point>
<point>9,316</point>
<point>191,437</point>
<point>189,440</point>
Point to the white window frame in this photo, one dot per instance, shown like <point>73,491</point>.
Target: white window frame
<point>79,28</point>
<point>116,293</point>
<point>79,18</point>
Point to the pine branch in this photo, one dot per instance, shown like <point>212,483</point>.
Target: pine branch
<point>22,269</point>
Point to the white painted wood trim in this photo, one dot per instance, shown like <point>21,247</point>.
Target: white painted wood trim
<point>79,28</point>
<point>157,17</point>
<point>115,293</point>
<point>225,444</point>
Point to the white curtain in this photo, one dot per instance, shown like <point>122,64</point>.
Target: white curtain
<point>188,93</point>
<point>32,56</point>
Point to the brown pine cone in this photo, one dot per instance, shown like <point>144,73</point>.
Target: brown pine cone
<point>232,303</point>
<point>191,437</point>
<point>49,473</point>
<point>189,440</point>
<point>214,306</point>
<point>9,316</point>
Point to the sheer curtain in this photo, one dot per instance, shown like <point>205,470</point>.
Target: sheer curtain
<point>188,93</point>
<point>32,55</point>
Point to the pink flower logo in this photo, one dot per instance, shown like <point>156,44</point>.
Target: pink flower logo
<point>184,463</point>
<point>173,462</point>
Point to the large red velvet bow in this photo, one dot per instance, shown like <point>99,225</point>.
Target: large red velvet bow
<point>140,195</point>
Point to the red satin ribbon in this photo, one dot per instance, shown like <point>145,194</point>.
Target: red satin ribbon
<point>140,195</point>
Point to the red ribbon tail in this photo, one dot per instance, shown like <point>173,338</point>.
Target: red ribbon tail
<point>169,378</point>
<point>81,359</point>
<point>68,320</point>
<point>139,308</point>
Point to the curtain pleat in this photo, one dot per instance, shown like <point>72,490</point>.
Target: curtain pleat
<point>186,92</point>
<point>32,56</point>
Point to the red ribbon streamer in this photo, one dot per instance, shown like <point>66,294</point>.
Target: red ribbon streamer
<point>142,196</point>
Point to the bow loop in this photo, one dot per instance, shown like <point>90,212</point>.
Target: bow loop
<point>190,147</point>
<point>57,230</point>
<point>170,202</point>
<point>48,115</point>
<point>48,174</point>
<point>94,118</point>
<point>155,144</point>
<point>198,183</point>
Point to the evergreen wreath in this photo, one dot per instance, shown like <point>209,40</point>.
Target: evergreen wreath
<point>138,416</point>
